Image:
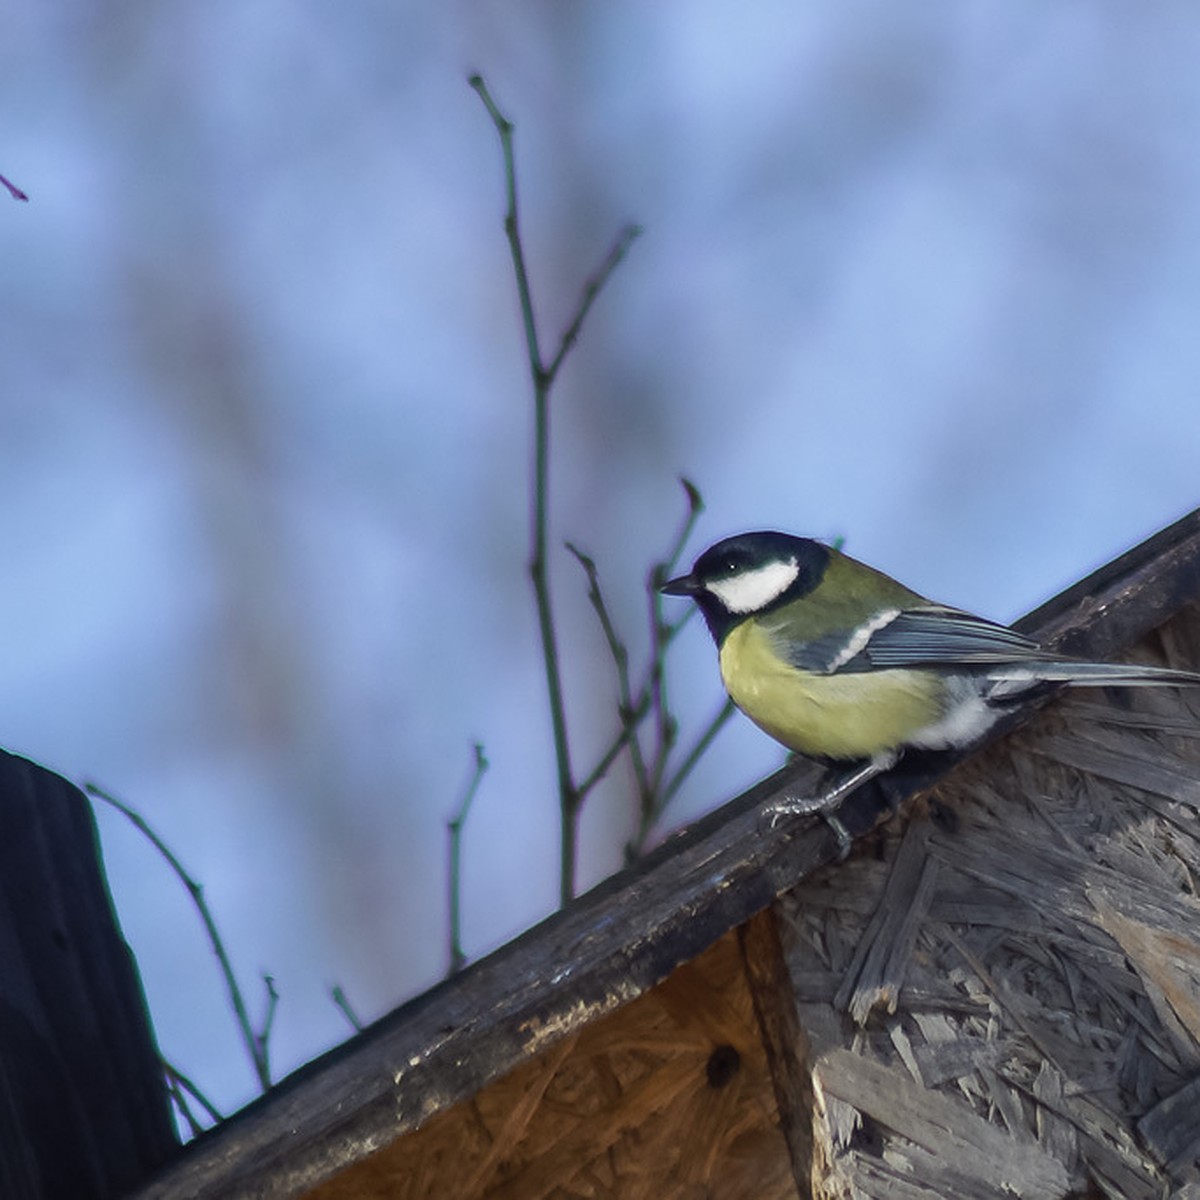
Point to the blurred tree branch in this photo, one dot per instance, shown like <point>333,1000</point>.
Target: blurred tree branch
<point>455,828</point>
<point>14,191</point>
<point>255,1040</point>
<point>543,377</point>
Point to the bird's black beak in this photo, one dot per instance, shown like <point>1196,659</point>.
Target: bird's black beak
<point>684,585</point>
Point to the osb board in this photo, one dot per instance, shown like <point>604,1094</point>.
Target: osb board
<point>669,1096</point>
<point>1003,992</point>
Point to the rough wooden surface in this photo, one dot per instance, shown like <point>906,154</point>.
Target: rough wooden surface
<point>615,943</point>
<point>670,1097</point>
<point>783,1039</point>
<point>83,1110</point>
<point>1011,1006</point>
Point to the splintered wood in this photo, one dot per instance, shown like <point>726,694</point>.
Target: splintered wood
<point>670,1096</point>
<point>1002,993</point>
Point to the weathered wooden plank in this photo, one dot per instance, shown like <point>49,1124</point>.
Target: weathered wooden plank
<point>1171,1132</point>
<point>1168,962</point>
<point>783,1039</point>
<point>1121,764</point>
<point>881,960</point>
<point>939,1064</point>
<point>946,1129</point>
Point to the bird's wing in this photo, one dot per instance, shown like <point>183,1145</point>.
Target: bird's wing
<point>929,636</point>
<point>935,636</point>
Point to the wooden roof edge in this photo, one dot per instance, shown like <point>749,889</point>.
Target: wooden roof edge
<point>608,946</point>
<point>1121,601</point>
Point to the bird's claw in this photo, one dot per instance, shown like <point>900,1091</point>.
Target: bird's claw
<point>844,840</point>
<point>782,810</point>
<point>825,805</point>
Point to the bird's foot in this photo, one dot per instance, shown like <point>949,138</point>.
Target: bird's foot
<point>824,804</point>
<point>844,840</point>
<point>781,810</point>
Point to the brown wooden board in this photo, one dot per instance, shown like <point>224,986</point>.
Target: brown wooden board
<point>608,947</point>
<point>670,1096</point>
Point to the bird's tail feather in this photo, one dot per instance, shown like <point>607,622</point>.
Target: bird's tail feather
<point>1085,674</point>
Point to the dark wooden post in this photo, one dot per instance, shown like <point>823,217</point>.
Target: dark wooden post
<point>83,1110</point>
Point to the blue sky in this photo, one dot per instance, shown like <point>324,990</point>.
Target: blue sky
<point>923,276</point>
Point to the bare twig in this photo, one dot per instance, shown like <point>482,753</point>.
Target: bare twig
<point>262,1039</point>
<point>455,827</point>
<point>652,813</point>
<point>180,1087</point>
<point>591,289</point>
<point>14,191</point>
<point>694,755</point>
<point>629,713</point>
<point>662,634</point>
<point>542,377</point>
<point>251,1040</point>
<point>338,996</point>
<point>655,788</point>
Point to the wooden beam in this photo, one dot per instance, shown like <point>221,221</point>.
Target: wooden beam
<point>783,1039</point>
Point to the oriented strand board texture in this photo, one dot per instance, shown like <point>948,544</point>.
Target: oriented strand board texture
<point>1003,992</point>
<point>669,1096</point>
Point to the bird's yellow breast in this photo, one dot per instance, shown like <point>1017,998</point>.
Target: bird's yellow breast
<point>853,715</point>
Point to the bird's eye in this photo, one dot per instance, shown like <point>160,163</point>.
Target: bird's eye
<point>730,566</point>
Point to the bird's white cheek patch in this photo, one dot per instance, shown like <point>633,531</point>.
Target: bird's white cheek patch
<point>755,589</point>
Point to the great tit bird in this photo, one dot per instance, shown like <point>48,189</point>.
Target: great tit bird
<point>840,662</point>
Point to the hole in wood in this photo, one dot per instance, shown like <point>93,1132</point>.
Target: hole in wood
<point>722,1066</point>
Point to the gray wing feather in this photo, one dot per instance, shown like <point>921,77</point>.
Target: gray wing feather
<point>918,637</point>
<point>822,656</point>
<point>933,636</point>
<point>937,636</point>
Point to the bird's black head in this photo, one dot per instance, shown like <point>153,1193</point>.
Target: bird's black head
<point>749,574</point>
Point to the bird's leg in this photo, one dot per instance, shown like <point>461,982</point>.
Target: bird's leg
<point>795,806</point>
<point>824,804</point>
